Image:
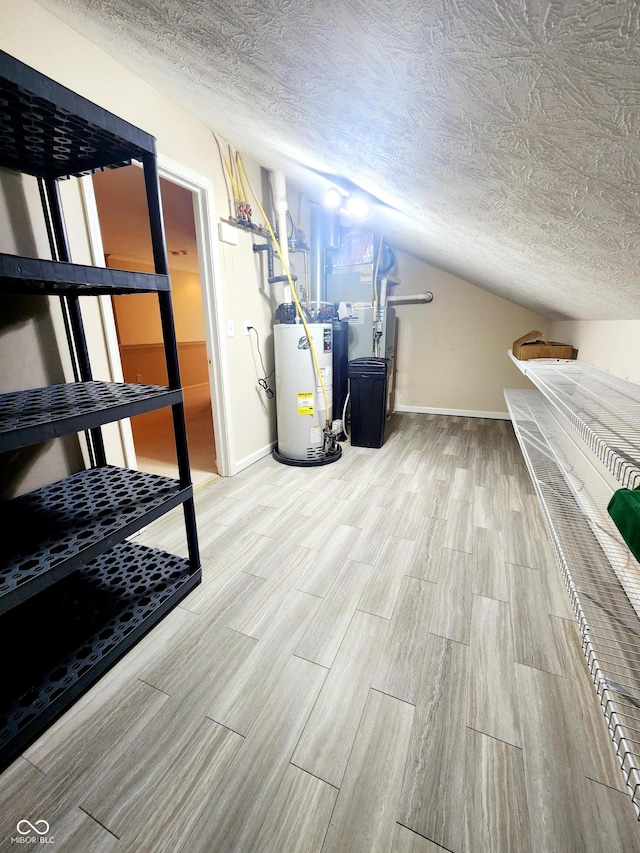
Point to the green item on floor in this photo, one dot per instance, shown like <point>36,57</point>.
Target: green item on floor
<point>624,509</point>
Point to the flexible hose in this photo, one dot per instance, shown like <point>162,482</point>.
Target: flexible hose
<point>375,293</point>
<point>293,292</point>
<point>243,191</point>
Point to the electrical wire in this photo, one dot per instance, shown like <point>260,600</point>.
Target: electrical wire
<point>264,382</point>
<point>344,408</point>
<point>231,190</point>
<point>392,262</point>
<point>293,293</point>
<point>293,226</point>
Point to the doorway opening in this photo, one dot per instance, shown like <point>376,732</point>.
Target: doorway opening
<point>126,239</point>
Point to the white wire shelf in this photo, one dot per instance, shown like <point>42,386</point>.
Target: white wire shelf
<point>603,409</point>
<point>601,574</point>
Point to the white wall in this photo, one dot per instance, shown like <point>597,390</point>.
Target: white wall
<point>36,37</point>
<point>608,344</point>
<point>452,352</point>
<point>142,324</point>
<point>32,343</point>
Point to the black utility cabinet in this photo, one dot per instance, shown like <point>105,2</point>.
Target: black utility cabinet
<point>368,394</point>
<point>75,594</point>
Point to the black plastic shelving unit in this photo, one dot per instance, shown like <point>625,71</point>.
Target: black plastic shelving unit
<point>34,275</point>
<point>29,417</point>
<point>67,570</point>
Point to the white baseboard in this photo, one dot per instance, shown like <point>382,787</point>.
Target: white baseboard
<point>241,464</point>
<point>457,413</point>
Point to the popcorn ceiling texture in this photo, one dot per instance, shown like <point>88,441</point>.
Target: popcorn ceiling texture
<point>502,134</point>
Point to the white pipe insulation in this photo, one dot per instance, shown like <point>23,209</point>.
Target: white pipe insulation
<point>383,292</point>
<point>410,297</point>
<point>279,186</point>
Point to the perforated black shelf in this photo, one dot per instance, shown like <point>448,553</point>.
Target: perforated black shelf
<point>54,530</point>
<point>74,596</point>
<point>43,277</point>
<point>78,629</point>
<point>39,414</point>
<point>49,131</point>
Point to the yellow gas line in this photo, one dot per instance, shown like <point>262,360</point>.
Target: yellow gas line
<point>293,292</point>
<point>232,188</point>
<point>375,293</point>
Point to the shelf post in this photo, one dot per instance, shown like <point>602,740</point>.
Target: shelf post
<point>73,306</point>
<point>161,262</point>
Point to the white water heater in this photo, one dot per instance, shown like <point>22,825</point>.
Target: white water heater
<point>300,404</point>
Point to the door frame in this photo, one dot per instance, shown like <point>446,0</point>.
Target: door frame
<point>202,192</point>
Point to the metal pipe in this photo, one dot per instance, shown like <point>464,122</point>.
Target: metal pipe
<point>410,297</point>
<point>316,255</point>
<point>384,284</point>
<point>280,208</point>
<point>332,230</point>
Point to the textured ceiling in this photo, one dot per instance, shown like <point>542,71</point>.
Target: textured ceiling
<point>502,135</point>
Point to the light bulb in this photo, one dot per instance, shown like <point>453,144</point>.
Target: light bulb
<point>333,198</point>
<point>357,207</point>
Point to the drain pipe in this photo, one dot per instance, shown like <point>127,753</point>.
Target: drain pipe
<point>316,255</point>
<point>279,186</point>
<point>410,297</point>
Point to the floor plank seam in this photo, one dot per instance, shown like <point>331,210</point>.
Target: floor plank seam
<point>228,728</point>
<point>95,820</point>
<point>24,757</point>
<point>430,840</point>
<point>570,619</point>
<point>253,574</point>
<point>539,669</point>
<point>302,657</point>
<point>391,696</point>
<point>153,687</point>
<point>493,737</point>
<point>227,627</point>
<point>456,550</point>
<point>371,613</point>
<point>424,580</point>
<point>315,776</point>
<point>355,738</point>
<point>315,595</point>
<point>450,640</point>
<point>609,788</point>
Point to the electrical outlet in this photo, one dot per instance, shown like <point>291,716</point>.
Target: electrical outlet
<point>230,331</point>
<point>246,325</point>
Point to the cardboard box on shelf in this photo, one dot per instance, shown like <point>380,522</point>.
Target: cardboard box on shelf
<point>532,345</point>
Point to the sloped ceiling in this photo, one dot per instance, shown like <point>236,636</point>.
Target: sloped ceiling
<point>500,136</point>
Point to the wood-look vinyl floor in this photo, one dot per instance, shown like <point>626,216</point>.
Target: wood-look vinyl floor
<point>380,659</point>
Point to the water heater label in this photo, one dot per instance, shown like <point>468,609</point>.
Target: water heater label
<point>327,378</point>
<point>328,337</point>
<point>305,403</point>
<point>315,435</point>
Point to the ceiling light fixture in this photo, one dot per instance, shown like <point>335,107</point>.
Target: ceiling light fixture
<point>357,207</point>
<point>354,206</point>
<point>333,198</point>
